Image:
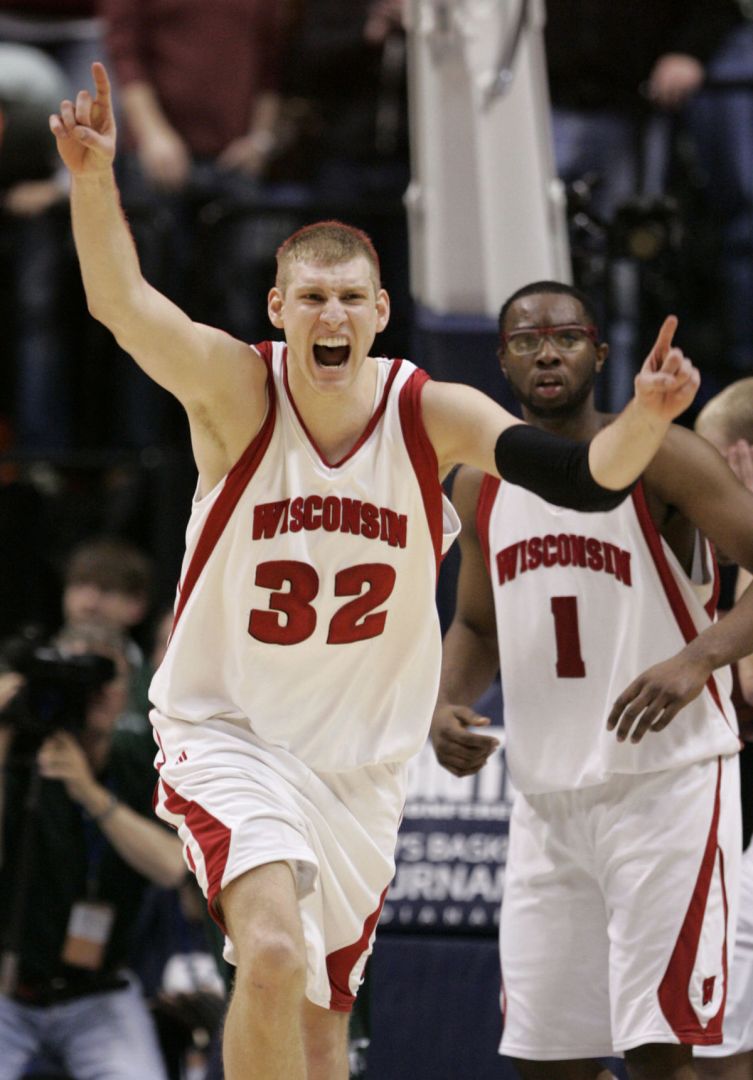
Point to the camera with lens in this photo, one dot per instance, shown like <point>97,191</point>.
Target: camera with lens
<point>58,686</point>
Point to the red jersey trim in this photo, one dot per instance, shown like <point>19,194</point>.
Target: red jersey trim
<point>340,963</point>
<point>212,837</point>
<point>423,456</point>
<point>486,496</point>
<point>676,602</point>
<point>236,482</point>
<point>713,602</point>
<point>375,417</point>
<point>673,989</point>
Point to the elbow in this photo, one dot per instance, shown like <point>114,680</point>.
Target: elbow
<point>172,874</point>
<point>168,871</point>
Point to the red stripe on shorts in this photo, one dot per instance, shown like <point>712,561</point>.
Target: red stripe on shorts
<point>341,963</point>
<point>212,837</point>
<point>673,989</point>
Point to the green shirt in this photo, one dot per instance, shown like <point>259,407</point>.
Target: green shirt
<point>70,859</point>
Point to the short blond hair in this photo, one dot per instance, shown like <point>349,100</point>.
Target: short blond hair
<point>728,416</point>
<point>326,243</point>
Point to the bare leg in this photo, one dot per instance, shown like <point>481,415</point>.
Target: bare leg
<point>660,1061</point>
<point>735,1067</point>
<point>325,1038</point>
<point>263,1037</point>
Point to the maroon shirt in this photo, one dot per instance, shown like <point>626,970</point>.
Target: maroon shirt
<point>51,9</point>
<point>207,60</point>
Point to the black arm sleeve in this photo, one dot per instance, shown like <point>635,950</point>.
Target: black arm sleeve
<point>554,468</point>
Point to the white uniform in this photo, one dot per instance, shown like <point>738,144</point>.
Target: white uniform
<point>304,662</point>
<point>738,1014</point>
<point>620,890</point>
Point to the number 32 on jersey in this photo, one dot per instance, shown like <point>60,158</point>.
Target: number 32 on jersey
<point>291,616</point>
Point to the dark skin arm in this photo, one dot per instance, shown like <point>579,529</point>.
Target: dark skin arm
<point>690,478</point>
<point>470,657</point>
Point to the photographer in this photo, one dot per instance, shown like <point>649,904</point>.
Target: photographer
<point>79,847</point>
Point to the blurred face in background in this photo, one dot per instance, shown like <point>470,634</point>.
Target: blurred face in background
<point>85,602</point>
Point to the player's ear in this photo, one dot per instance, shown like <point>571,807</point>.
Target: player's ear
<point>275,304</point>
<point>501,359</point>
<point>602,352</point>
<point>383,309</point>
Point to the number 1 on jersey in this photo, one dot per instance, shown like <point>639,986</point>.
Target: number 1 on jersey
<point>567,636</point>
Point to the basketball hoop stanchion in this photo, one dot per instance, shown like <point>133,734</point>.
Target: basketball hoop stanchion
<point>486,210</point>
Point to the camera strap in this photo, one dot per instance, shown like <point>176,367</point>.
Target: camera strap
<point>91,921</point>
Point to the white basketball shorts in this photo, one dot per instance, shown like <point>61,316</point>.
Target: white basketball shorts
<point>238,803</point>
<point>618,913</point>
<point>738,1015</point>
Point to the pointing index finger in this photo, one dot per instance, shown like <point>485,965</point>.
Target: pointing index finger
<point>101,82</point>
<point>664,339</point>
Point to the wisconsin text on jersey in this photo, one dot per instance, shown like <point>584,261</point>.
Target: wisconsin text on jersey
<point>564,549</point>
<point>332,514</point>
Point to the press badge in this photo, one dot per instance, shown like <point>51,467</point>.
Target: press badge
<point>88,933</point>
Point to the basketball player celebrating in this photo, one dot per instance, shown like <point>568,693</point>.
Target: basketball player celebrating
<point>621,880</point>
<point>304,660</point>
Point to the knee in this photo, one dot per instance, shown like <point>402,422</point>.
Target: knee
<point>272,961</point>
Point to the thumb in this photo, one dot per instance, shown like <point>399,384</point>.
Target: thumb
<point>473,720</point>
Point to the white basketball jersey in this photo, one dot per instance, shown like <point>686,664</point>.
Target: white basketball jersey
<point>584,604</point>
<point>306,605</point>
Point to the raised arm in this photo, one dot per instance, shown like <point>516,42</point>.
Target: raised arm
<point>207,370</point>
<point>465,426</point>
<point>469,655</point>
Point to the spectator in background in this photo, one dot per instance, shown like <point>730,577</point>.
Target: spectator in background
<point>47,301</point>
<point>31,259</point>
<point>720,121</point>
<point>78,848</point>
<point>174,61</point>
<point>601,111</point>
<point>726,421</point>
<point>350,150</point>
<point>109,580</point>
<point>29,81</point>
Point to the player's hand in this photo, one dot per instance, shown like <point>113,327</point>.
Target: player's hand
<point>668,381</point>
<point>458,748</point>
<point>655,697</point>
<point>84,130</point>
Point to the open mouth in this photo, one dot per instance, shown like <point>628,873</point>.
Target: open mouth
<point>331,352</point>
<point>548,386</point>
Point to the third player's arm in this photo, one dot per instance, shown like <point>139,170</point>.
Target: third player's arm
<point>691,477</point>
<point>470,657</point>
